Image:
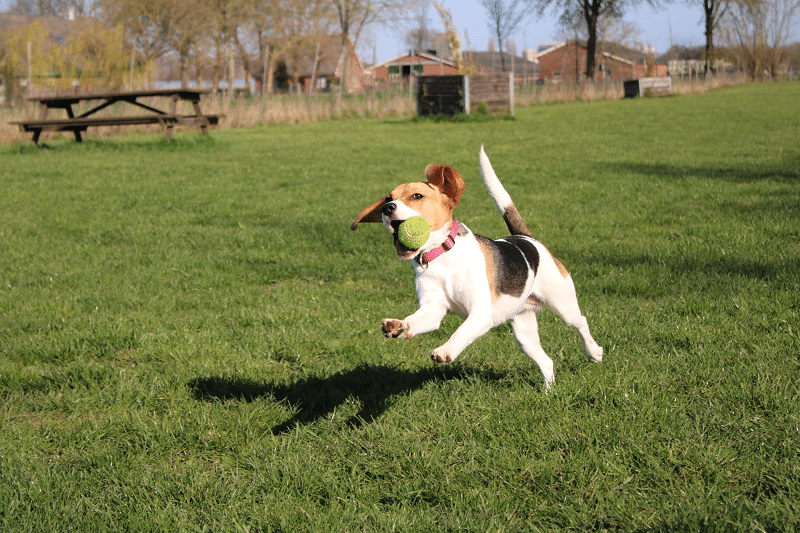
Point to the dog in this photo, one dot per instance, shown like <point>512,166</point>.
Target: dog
<point>486,282</point>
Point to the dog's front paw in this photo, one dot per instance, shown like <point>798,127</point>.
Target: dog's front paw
<point>441,356</point>
<point>393,328</point>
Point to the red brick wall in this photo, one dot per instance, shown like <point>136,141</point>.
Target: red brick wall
<point>560,65</point>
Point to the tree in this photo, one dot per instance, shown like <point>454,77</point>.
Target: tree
<point>50,8</point>
<point>269,31</point>
<point>590,12</point>
<point>713,11</point>
<point>759,30</point>
<point>188,23</point>
<point>453,38</point>
<point>98,55</point>
<point>353,16</point>
<point>278,30</point>
<point>505,16</point>
<point>147,24</point>
<point>224,18</point>
<point>14,56</point>
<point>419,36</point>
<point>308,22</point>
<point>612,30</point>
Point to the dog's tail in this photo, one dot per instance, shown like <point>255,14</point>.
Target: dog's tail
<point>510,214</point>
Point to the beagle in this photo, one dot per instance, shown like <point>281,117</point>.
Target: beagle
<point>486,282</point>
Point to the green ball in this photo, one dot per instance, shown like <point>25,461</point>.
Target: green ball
<point>413,233</point>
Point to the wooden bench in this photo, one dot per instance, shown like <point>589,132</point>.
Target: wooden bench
<point>81,123</point>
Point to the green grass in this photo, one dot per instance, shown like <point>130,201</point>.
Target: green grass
<point>190,333</point>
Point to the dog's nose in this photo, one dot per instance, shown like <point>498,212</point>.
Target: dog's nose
<point>388,209</point>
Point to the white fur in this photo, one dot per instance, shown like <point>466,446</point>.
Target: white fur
<point>496,190</point>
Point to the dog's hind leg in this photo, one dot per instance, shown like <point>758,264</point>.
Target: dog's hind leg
<point>570,313</point>
<point>526,330</point>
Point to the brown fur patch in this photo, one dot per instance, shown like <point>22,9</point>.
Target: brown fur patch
<point>437,198</point>
<point>426,200</point>
<point>447,180</point>
<point>561,268</point>
<point>491,266</point>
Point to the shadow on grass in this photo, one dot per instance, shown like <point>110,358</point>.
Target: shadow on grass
<point>372,387</point>
<point>122,143</point>
<point>718,268</point>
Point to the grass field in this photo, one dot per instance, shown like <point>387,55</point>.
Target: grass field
<point>190,333</point>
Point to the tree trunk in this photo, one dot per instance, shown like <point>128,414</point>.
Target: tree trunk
<point>270,69</point>
<point>184,70</point>
<point>245,58</point>
<point>217,68</point>
<point>344,78</point>
<point>708,8</point>
<point>591,12</point>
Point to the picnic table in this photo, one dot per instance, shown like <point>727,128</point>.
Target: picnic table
<point>78,124</point>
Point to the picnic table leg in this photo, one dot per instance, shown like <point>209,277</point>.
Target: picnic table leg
<point>204,122</point>
<point>172,108</point>
<point>37,133</point>
<point>77,133</point>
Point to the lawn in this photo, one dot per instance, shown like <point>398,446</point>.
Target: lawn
<point>190,333</point>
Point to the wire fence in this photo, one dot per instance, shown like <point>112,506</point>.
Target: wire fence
<point>380,101</point>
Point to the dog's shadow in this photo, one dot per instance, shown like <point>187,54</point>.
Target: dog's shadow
<point>371,387</point>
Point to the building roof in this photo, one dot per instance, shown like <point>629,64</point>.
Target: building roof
<point>494,62</point>
<point>433,58</point>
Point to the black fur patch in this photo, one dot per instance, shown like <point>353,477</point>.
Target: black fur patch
<point>513,258</point>
<point>528,250</point>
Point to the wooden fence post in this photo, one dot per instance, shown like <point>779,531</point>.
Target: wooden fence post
<point>511,91</point>
<point>466,94</point>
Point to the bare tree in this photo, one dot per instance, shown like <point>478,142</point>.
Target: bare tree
<point>419,35</point>
<point>713,12</point>
<point>147,24</point>
<point>353,16</point>
<point>188,27</point>
<point>50,8</point>
<point>280,30</point>
<point>611,30</point>
<point>505,16</point>
<point>269,34</point>
<point>308,23</point>
<point>591,12</point>
<point>223,20</point>
<point>759,30</point>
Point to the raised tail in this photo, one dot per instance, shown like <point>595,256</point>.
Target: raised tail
<point>498,193</point>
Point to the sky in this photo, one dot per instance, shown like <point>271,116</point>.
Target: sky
<point>660,28</point>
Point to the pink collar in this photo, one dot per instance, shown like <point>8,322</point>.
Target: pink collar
<point>429,256</point>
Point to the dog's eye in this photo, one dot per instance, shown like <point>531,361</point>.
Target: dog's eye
<point>417,196</point>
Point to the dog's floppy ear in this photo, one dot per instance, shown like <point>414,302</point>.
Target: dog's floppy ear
<point>369,214</point>
<point>447,180</point>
